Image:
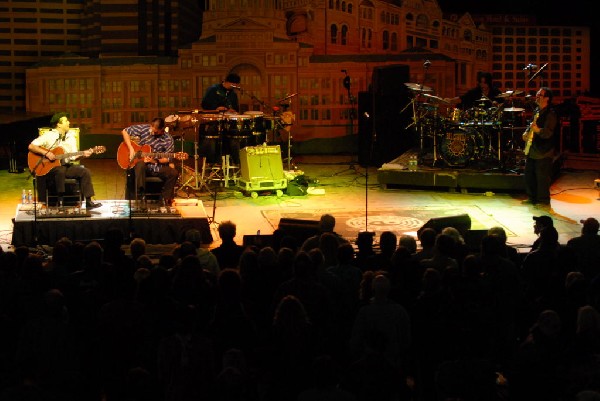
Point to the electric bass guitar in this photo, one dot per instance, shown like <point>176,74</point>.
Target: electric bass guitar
<point>142,151</point>
<point>40,165</point>
<point>528,134</point>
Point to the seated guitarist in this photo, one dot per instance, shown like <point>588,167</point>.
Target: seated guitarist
<point>160,141</point>
<point>61,136</point>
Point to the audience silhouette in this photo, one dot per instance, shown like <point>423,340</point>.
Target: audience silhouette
<point>423,319</point>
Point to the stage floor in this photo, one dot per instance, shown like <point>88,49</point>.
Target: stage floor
<point>354,194</point>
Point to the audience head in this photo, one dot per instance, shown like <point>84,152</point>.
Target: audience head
<point>444,244</point>
<point>345,253</point>
<point>388,242</point>
<point>548,237</point>
<point>588,320</point>
<point>327,223</point>
<point>492,245</point>
<point>498,232</point>
<point>454,233</point>
<point>548,323</point>
<point>381,287</point>
<point>227,230</point>
<point>590,226</point>
<point>364,240</point>
<point>194,236</point>
<point>137,247</point>
<point>409,242</point>
<point>289,311</point>
<point>541,222</point>
<point>427,237</point>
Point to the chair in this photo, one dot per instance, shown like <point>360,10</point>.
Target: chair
<point>46,191</point>
<point>154,187</point>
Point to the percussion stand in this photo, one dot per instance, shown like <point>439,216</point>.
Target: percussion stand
<point>200,183</point>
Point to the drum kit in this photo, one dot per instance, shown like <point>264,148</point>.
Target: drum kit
<point>484,136</point>
<point>219,136</point>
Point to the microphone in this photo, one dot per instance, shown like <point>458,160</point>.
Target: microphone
<point>538,72</point>
<point>427,64</point>
<point>236,86</point>
<point>367,114</point>
<point>530,67</point>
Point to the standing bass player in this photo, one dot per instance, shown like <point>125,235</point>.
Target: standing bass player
<point>539,150</point>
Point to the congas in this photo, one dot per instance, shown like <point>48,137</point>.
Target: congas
<point>257,126</point>
<point>171,122</point>
<point>210,126</point>
<point>210,138</point>
<point>458,146</point>
<point>238,125</point>
<point>238,134</point>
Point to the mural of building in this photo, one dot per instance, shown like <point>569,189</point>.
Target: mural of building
<point>307,49</point>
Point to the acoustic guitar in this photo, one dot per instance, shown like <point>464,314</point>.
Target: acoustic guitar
<point>40,165</point>
<point>528,134</point>
<point>142,151</point>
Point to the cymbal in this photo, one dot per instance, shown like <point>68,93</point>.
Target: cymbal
<point>514,109</point>
<point>418,87</point>
<point>483,99</point>
<point>436,98</point>
<point>509,94</point>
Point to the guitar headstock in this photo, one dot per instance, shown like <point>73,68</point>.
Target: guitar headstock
<point>181,156</point>
<point>98,149</point>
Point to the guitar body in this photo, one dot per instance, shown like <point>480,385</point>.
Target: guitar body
<point>40,166</point>
<point>528,135</point>
<point>123,154</point>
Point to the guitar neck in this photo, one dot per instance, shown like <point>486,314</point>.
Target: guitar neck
<point>155,155</point>
<point>72,154</point>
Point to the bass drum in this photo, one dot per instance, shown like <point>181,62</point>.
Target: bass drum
<point>458,146</point>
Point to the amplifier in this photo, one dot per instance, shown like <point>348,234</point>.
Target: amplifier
<point>261,167</point>
<point>261,162</point>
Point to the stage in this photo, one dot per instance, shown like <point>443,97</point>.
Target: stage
<point>157,225</point>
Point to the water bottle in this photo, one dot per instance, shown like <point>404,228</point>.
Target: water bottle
<point>23,197</point>
<point>30,197</point>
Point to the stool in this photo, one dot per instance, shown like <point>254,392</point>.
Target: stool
<point>224,172</point>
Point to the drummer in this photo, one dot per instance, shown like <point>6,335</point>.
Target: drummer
<point>484,93</point>
<point>222,96</point>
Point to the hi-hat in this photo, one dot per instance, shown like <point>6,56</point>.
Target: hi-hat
<point>483,99</point>
<point>513,109</point>
<point>418,87</point>
<point>509,94</point>
<point>436,98</point>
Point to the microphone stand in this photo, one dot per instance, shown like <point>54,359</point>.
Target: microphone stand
<point>351,100</point>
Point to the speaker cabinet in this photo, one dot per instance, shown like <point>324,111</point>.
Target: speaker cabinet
<point>299,229</point>
<point>261,168</point>
<point>390,119</point>
<point>461,222</point>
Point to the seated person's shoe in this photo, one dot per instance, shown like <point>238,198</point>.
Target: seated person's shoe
<point>92,205</point>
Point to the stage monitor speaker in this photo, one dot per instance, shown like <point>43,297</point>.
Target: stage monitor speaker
<point>261,162</point>
<point>391,117</point>
<point>299,229</point>
<point>461,222</point>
